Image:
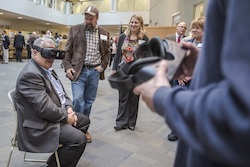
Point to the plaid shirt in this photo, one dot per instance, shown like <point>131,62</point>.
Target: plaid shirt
<point>93,55</point>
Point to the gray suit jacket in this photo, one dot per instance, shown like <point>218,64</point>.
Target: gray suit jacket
<point>39,110</point>
<point>171,37</point>
<point>76,49</point>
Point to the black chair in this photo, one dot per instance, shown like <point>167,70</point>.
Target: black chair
<point>14,142</point>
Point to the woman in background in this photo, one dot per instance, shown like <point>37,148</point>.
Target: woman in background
<point>197,29</point>
<point>128,42</point>
<point>63,42</point>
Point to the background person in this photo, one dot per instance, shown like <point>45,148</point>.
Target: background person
<point>212,116</point>
<point>128,42</point>
<point>113,48</point>
<point>180,33</point>
<point>197,30</point>
<point>32,39</point>
<point>62,44</point>
<point>177,37</point>
<point>45,112</point>
<point>19,44</point>
<point>5,47</point>
<point>86,58</point>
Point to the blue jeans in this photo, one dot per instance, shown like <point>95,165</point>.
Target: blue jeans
<point>84,90</point>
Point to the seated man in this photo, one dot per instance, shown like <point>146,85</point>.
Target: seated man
<point>45,114</point>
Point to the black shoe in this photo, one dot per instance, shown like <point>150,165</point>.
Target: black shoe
<point>131,128</point>
<point>117,128</point>
<point>172,136</point>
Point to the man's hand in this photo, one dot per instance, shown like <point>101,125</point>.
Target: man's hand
<point>187,67</point>
<point>148,89</point>
<point>70,73</point>
<point>99,68</point>
<point>112,72</point>
<point>184,80</point>
<point>72,118</point>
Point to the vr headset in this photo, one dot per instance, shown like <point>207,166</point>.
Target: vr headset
<point>146,61</point>
<point>50,53</point>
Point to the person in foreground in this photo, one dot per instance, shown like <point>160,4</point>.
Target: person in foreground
<point>212,117</point>
<point>45,112</point>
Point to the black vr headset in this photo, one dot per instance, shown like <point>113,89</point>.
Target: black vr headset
<point>146,60</point>
<point>50,53</point>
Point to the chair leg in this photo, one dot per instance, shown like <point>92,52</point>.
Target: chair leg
<point>57,159</point>
<point>11,151</point>
<point>32,160</point>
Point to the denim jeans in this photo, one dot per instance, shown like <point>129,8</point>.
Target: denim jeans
<point>84,90</point>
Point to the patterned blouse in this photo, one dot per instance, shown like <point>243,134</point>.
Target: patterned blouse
<point>128,48</point>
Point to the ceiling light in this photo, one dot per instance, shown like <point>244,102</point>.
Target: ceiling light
<point>47,23</point>
<point>1,13</point>
<point>19,17</point>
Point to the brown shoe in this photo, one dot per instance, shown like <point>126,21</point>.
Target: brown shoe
<point>88,136</point>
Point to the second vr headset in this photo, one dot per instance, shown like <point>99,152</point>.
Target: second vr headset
<point>146,61</point>
<point>50,53</point>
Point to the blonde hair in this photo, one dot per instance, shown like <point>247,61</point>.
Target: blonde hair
<point>200,22</point>
<point>142,30</point>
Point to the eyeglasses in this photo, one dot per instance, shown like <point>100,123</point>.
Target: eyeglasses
<point>182,27</point>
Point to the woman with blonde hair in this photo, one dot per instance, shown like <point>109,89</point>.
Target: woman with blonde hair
<point>197,29</point>
<point>128,42</point>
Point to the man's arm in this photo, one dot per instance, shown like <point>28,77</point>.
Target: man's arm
<point>212,117</point>
<point>69,50</point>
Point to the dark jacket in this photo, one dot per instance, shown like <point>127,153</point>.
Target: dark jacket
<point>6,42</point>
<point>39,110</point>
<point>19,42</point>
<point>31,41</point>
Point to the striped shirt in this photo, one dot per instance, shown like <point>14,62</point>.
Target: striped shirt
<point>56,84</point>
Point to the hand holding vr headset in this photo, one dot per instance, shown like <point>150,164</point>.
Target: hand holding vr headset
<point>179,62</point>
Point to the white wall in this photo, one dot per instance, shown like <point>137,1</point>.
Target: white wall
<point>161,12</point>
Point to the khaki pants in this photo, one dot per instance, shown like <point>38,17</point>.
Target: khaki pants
<point>5,55</point>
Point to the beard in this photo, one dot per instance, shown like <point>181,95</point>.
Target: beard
<point>89,27</point>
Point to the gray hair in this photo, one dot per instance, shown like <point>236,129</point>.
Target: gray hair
<point>40,42</point>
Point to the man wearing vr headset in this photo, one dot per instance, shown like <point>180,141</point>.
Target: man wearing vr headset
<point>45,112</point>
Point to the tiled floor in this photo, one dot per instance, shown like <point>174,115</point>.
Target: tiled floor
<point>147,146</point>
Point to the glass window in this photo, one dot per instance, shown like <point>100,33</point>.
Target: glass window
<point>199,10</point>
<point>132,5</point>
<point>176,18</point>
<point>102,6</point>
